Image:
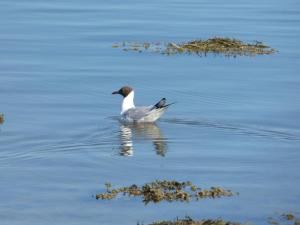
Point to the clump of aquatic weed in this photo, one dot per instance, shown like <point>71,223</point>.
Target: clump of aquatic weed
<point>165,190</point>
<point>285,218</point>
<point>216,45</point>
<point>190,221</point>
<point>226,46</point>
<point>1,118</point>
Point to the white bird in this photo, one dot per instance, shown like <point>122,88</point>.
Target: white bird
<point>145,114</point>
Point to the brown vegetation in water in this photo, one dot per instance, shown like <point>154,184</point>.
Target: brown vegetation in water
<point>285,218</point>
<point>226,46</point>
<point>165,190</point>
<point>216,45</point>
<point>1,118</point>
<point>190,221</point>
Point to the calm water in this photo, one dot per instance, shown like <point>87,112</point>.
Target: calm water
<point>236,123</point>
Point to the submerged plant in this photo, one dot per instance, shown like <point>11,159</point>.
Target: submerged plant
<point>165,190</point>
<point>216,45</point>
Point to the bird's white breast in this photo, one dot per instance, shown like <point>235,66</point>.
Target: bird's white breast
<point>128,102</point>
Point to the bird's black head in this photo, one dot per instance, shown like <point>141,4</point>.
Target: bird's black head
<point>124,91</point>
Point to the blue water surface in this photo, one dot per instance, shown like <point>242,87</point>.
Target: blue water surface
<point>236,123</point>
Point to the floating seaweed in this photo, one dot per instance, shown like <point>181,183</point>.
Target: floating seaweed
<point>288,216</point>
<point>226,46</point>
<point>1,118</point>
<point>285,218</point>
<point>190,221</point>
<point>216,45</point>
<point>165,190</point>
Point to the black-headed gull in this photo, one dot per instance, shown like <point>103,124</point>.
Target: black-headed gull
<point>145,114</point>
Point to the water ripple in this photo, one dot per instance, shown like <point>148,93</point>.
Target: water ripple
<point>277,133</point>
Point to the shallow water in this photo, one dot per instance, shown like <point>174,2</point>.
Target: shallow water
<point>236,122</point>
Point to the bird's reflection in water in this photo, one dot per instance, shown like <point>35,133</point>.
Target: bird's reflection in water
<point>146,131</point>
<point>126,148</point>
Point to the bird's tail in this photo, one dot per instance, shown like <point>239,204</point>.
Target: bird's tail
<point>172,103</point>
<point>162,104</point>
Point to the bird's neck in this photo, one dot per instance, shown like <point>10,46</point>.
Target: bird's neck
<point>128,102</point>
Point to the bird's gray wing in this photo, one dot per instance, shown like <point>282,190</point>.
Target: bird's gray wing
<point>137,113</point>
